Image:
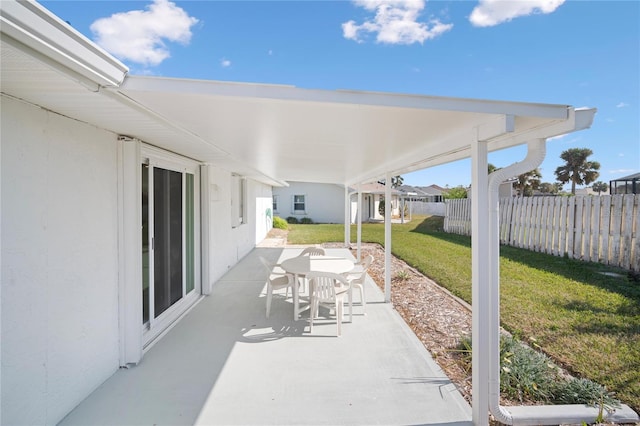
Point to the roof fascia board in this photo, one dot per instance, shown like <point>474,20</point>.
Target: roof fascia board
<point>35,27</point>
<point>577,120</point>
<point>355,98</point>
<point>499,132</point>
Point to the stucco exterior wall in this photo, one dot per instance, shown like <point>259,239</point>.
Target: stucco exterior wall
<point>59,262</point>
<point>324,202</point>
<point>228,244</point>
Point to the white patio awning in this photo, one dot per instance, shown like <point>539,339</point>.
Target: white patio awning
<point>271,133</point>
<point>346,137</point>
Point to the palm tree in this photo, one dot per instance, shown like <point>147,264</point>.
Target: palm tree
<point>577,169</point>
<point>600,187</point>
<point>527,182</point>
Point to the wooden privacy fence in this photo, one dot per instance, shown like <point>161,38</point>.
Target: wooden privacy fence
<point>593,228</point>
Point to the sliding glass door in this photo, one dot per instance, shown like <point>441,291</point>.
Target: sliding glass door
<point>170,279</point>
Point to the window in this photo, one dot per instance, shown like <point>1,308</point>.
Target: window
<point>299,204</point>
<point>238,210</point>
<point>275,203</point>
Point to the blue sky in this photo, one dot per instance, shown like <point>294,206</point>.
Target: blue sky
<point>580,53</point>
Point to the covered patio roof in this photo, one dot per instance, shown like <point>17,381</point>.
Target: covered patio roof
<point>345,137</point>
<point>271,133</point>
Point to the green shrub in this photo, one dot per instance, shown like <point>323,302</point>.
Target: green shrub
<point>584,391</point>
<point>306,220</point>
<point>292,219</point>
<point>527,375</point>
<point>279,223</point>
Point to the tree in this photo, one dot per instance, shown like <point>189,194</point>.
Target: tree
<point>600,187</point>
<point>453,193</point>
<point>528,182</point>
<point>577,169</point>
<point>550,188</point>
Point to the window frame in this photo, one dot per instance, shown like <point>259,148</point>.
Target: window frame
<point>238,200</point>
<point>156,158</point>
<point>304,204</point>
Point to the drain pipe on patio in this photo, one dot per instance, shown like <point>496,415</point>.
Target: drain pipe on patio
<point>536,152</point>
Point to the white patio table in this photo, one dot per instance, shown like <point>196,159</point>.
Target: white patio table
<point>302,265</point>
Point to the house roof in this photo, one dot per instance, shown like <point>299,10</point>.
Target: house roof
<point>432,189</point>
<point>634,176</point>
<point>270,133</point>
<point>375,188</point>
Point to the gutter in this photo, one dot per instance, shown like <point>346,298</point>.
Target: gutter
<point>29,25</point>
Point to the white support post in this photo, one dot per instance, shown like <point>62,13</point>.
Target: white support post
<point>359,227</point>
<point>480,256</point>
<point>387,238</point>
<point>347,217</point>
<point>410,209</point>
<point>205,229</point>
<point>130,250</point>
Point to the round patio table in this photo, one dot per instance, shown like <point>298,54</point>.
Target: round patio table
<point>302,265</point>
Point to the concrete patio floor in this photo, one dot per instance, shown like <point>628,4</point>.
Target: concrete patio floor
<point>224,363</point>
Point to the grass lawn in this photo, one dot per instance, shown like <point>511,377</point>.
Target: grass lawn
<point>584,315</point>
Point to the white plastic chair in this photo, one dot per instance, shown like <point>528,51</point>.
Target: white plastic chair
<point>275,281</point>
<point>312,251</point>
<point>357,279</point>
<point>329,290</point>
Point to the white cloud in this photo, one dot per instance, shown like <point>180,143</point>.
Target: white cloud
<point>493,12</point>
<point>621,171</point>
<point>395,22</point>
<point>139,35</point>
<point>622,105</point>
<point>225,63</point>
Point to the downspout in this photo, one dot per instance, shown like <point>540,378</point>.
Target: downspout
<point>347,217</point>
<point>536,151</point>
<point>387,238</point>
<point>359,226</point>
<point>358,221</point>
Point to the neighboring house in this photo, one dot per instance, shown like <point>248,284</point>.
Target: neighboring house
<point>587,190</point>
<point>372,196</point>
<point>320,202</point>
<point>625,185</point>
<point>428,194</point>
<point>424,200</point>
<point>324,203</point>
